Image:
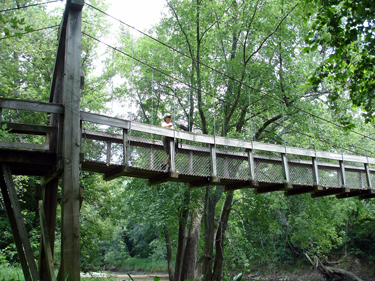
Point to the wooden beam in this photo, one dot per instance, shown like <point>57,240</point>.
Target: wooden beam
<point>273,187</point>
<point>118,172</point>
<point>355,192</point>
<point>29,129</point>
<point>50,210</point>
<point>33,146</point>
<point>163,177</point>
<point>302,190</point>
<point>13,225</point>
<point>20,222</point>
<point>105,120</point>
<point>240,185</point>
<point>70,234</point>
<point>329,191</point>
<point>367,196</point>
<point>31,105</point>
<point>204,182</point>
<point>46,242</point>
<point>53,173</point>
<point>27,157</point>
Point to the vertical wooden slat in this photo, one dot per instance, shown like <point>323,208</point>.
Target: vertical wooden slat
<point>315,171</point>
<point>46,242</point>
<point>13,225</point>
<point>343,177</point>
<point>20,222</point>
<point>125,145</point>
<point>250,160</point>
<point>171,155</point>
<point>284,159</point>
<point>368,175</point>
<point>213,160</point>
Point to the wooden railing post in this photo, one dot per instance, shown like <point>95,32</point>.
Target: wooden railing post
<point>213,160</point>
<point>172,155</point>
<point>315,172</point>
<point>126,147</point>
<point>342,170</point>
<point>368,176</point>
<point>251,163</point>
<point>285,164</point>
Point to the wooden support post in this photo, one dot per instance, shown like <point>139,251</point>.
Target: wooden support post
<point>284,160</point>
<point>70,237</point>
<point>250,161</point>
<point>125,145</point>
<point>171,155</point>
<point>13,225</point>
<point>213,161</point>
<point>342,170</point>
<point>50,204</point>
<point>315,172</point>
<point>46,243</point>
<point>368,176</point>
<point>21,228</point>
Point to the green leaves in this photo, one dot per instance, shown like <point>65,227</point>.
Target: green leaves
<point>343,32</point>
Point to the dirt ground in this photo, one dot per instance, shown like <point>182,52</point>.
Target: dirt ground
<point>361,268</point>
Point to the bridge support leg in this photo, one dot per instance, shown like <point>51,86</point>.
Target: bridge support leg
<point>49,206</point>
<point>71,145</point>
<point>17,224</point>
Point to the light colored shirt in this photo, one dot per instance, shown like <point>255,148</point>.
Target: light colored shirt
<point>167,125</point>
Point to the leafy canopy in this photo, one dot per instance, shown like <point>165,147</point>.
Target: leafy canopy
<point>343,31</point>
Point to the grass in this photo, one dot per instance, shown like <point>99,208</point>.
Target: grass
<point>147,265</point>
<point>11,273</point>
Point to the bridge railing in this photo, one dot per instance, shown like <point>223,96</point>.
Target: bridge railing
<point>131,144</point>
<point>232,159</point>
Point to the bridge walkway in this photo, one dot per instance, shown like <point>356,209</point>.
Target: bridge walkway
<point>117,147</point>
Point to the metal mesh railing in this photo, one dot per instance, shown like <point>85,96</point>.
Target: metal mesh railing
<point>146,151</point>
<point>267,170</point>
<point>232,163</point>
<point>301,173</point>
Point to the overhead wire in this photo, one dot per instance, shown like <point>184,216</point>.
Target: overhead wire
<point>34,30</point>
<point>28,6</point>
<point>222,73</point>
<point>189,85</point>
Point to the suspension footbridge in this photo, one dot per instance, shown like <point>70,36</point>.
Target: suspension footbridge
<point>74,140</point>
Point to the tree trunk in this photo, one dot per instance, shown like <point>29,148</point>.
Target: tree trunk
<point>204,266</point>
<point>218,268</point>
<point>182,233</point>
<point>169,254</point>
<point>190,257</point>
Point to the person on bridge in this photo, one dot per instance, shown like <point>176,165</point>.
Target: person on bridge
<point>166,140</point>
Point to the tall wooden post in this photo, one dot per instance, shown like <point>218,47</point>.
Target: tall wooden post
<point>70,248</point>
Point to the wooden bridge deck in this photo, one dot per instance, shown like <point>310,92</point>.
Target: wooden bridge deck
<point>122,148</point>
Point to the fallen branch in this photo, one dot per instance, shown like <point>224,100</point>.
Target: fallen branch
<point>332,273</point>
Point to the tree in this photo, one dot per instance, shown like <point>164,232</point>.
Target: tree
<point>343,33</point>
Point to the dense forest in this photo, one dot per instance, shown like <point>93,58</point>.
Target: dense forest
<point>296,73</point>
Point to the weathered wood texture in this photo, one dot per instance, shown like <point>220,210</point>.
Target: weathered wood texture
<point>70,245</point>
<point>46,243</point>
<point>20,224</point>
<point>13,225</point>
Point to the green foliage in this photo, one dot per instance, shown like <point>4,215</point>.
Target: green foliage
<point>10,273</point>
<point>343,31</point>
